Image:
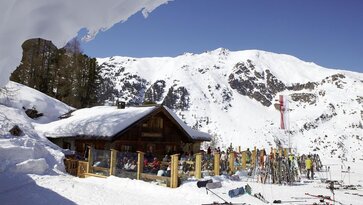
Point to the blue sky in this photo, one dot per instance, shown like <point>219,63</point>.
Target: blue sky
<point>327,32</point>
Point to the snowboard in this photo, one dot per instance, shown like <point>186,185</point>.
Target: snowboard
<point>296,165</point>
<point>204,183</point>
<point>214,185</point>
<point>236,192</point>
<point>234,178</point>
<point>248,189</point>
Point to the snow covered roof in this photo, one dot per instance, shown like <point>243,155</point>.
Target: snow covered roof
<point>104,122</point>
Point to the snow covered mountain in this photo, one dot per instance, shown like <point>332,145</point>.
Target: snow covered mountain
<point>31,168</point>
<point>232,95</point>
<point>233,99</point>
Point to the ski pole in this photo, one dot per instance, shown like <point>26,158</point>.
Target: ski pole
<point>216,195</point>
<point>303,197</point>
<point>292,201</point>
<point>349,174</point>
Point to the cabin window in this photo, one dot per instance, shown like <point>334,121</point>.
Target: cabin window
<point>99,145</point>
<point>86,150</point>
<point>150,147</point>
<point>126,148</point>
<point>170,149</point>
<point>155,122</point>
<point>66,145</point>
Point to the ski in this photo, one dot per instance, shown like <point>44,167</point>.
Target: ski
<point>224,203</point>
<point>303,197</point>
<point>324,197</point>
<point>354,194</point>
<point>277,201</point>
<point>260,197</point>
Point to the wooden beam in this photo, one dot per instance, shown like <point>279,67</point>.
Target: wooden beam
<point>113,162</point>
<point>140,164</point>
<point>198,166</point>
<point>174,170</point>
<point>155,177</point>
<point>244,160</point>
<point>231,162</point>
<point>217,158</point>
<point>83,167</point>
<point>254,154</point>
<point>94,175</point>
<point>90,159</point>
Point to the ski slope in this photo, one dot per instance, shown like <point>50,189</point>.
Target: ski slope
<point>64,189</point>
<point>326,116</point>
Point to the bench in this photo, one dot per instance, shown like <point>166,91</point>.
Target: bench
<point>100,170</point>
<point>153,177</point>
<point>93,175</point>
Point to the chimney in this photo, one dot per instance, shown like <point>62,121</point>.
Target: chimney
<point>120,105</point>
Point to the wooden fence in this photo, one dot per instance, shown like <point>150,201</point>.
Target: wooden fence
<point>76,167</point>
<point>87,168</point>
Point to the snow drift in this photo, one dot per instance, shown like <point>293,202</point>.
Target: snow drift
<point>28,152</point>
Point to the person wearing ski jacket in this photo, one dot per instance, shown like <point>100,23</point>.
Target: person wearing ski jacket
<point>309,167</point>
<point>248,156</point>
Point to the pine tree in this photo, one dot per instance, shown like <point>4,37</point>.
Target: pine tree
<point>66,74</point>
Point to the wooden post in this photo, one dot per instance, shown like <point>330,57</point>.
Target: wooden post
<point>231,162</point>
<point>239,149</point>
<point>113,162</point>
<point>90,159</point>
<point>254,153</point>
<point>140,164</point>
<point>217,158</point>
<point>174,171</point>
<point>244,160</point>
<point>198,166</point>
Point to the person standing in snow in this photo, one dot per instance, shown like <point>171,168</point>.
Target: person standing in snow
<point>223,161</point>
<point>262,158</point>
<point>248,156</point>
<point>209,151</point>
<point>309,167</point>
<point>272,166</point>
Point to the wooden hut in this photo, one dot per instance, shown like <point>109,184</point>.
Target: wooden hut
<point>155,129</point>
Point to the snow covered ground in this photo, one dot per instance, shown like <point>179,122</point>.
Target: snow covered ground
<point>65,189</point>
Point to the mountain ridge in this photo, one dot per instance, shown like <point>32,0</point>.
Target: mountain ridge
<point>232,94</point>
